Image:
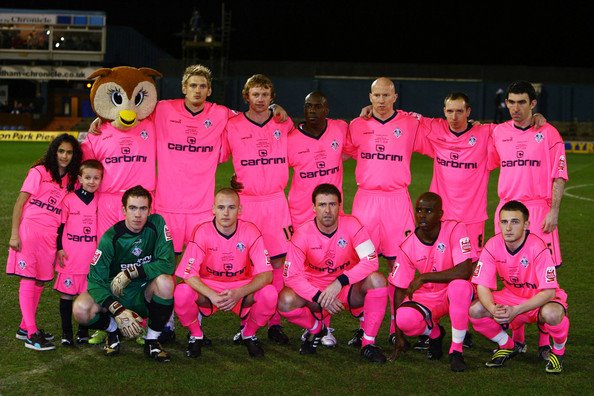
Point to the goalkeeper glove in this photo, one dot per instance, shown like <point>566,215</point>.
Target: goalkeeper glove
<point>121,280</point>
<point>127,320</point>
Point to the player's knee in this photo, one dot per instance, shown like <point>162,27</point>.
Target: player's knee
<point>375,280</point>
<point>477,310</point>
<point>552,314</point>
<point>267,297</point>
<point>184,294</point>
<point>81,310</point>
<point>459,289</point>
<point>164,286</point>
<point>287,300</point>
<point>410,321</point>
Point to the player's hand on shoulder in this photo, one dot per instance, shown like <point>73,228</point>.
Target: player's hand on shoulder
<point>538,120</point>
<point>236,184</point>
<point>94,128</point>
<point>366,112</point>
<point>279,113</point>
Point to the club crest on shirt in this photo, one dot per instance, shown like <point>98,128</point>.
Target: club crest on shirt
<point>472,140</point>
<point>277,134</point>
<point>22,264</point>
<point>551,274</point>
<point>524,262</point>
<point>397,133</point>
<point>334,145</point>
<point>68,283</point>
<point>342,243</point>
<point>136,251</point>
<point>96,257</point>
<point>441,247</point>
<point>167,233</point>
<point>207,123</point>
<point>240,246</point>
<point>144,134</point>
<point>539,137</point>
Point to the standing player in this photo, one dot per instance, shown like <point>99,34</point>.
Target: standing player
<point>258,145</point>
<point>533,165</point>
<point>130,277</point>
<point>315,154</point>
<point>77,241</point>
<point>533,171</point>
<point>225,267</point>
<point>442,253</point>
<point>35,220</point>
<point>331,266</point>
<point>382,146</point>
<point>530,291</point>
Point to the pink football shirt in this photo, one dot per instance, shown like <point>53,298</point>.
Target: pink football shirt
<point>44,206</point>
<point>383,150</point>
<point>525,272</point>
<point>188,150</point>
<point>212,255</point>
<point>259,154</point>
<point>452,247</point>
<point>315,160</point>
<point>530,160</point>
<point>315,260</point>
<point>460,175</point>
<point>129,157</point>
<point>79,238</point>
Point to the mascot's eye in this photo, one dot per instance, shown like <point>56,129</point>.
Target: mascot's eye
<point>139,97</point>
<point>116,98</point>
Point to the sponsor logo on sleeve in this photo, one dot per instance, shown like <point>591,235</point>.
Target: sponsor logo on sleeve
<point>96,257</point>
<point>477,270</point>
<point>561,166</point>
<point>465,245</point>
<point>286,268</point>
<point>551,275</point>
<point>267,257</point>
<point>372,256</point>
<point>189,266</point>
<point>167,233</point>
<point>395,269</point>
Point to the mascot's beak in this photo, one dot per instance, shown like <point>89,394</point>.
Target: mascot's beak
<point>127,118</point>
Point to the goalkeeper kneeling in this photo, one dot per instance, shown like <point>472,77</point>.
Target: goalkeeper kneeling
<point>130,278</point>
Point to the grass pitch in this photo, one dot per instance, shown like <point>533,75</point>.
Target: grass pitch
<point>226,369</point>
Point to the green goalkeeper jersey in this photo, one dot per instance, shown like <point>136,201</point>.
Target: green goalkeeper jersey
<point>150,250</point>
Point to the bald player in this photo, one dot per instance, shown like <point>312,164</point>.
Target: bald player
<point>383,145</point>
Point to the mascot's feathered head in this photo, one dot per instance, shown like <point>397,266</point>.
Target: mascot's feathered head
<point>124,95</point>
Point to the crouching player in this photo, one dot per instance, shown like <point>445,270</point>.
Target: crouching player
<point>530,291</point>
<point>331,266</point>
<point>442,254</point>
<point>77,241</point>
<point>130,278</point>
<point>225,267</point>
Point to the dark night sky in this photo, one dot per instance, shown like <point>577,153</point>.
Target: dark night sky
<point>449,32</point>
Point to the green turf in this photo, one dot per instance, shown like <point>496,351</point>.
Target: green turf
<point>225,368</point>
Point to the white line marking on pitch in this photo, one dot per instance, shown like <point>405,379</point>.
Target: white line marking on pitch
<point>577,196</point>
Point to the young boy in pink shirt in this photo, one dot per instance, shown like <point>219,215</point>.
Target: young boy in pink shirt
<point>77,242</point>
